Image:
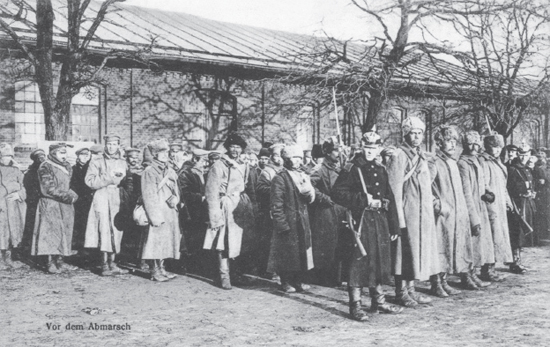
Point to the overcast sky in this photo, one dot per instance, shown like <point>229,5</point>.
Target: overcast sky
<point>339,18</point>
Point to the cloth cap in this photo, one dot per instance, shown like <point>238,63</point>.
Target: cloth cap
<point>524,148</point>
<point>55,146</point>
<point>264,152</point>
<point>80,150</point>
<point>234,139</point>
<point>371,138</point>
<point>6,150</point>
<point>214,155</point>
<point>132,150</point>
<point>110,138</point>
<point>275,147</point>
<point>494,140</point>
<point>471,137</point>
<point>292,151</point>
<point>512,148</point>
<point>157,146</point>
<point>34,154</point>
<point>197,152</point>
<point>96,149</point>
<point>411,123</point>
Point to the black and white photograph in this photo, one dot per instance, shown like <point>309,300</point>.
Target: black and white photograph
<point>274,173</point>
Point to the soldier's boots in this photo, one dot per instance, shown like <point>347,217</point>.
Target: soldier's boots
<point>114,267</point>
<point>3,264</point>
<point>224,279</point>
<point>156,274</point>
<point>355,310</point>
<point>106,270</point>
<point>436,288</point>
<point>287,288</point>
<point>516,267</point>
<point>446,287</point>
<point>401,294</point>
<point>379,304</point>
<point>51,267</point>
<point>165,273</point>
<point>6,256</point>
<point>62,266</point>
<point>478,281</point>
<point>419,298</point>
<point>467,281</point>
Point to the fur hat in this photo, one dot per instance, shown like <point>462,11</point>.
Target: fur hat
<point>317,151</point>
<point>494,140</point>
<point>411,123</point>
<point>264,152</point>
<point>275,147</point>
<point>6,150</point>
<point>234,139</point>
<point>471,137</point>
<point>330,145</point>
<point>445,132</point>
<point>157,146</point>
<point>292,151</point>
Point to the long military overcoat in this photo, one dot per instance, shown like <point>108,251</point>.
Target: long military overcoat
<point>82,205</point>
<point>101,231</point>
<point>326,216</point>
<point>194,216</point>
<point>53,228</point>
<point>163,240</point>
<point>416,254</point>
<point>291,241</point>
<point>473,183</point>
<point>12,213</point>
<point>376,226</point>
<point>520,184</point>
<point>230,210</point>
<point>452,222</point>
<point>496,176</point>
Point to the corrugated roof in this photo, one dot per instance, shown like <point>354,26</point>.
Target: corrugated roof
<point>188,38</point>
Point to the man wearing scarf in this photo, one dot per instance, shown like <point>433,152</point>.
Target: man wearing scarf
<point>326,216</point>
<point>363,187</point>
<point>85,196</point>
<point>291,254</point>
<point>106,176</point>
<point>12,205</point>
<point>53,231</point>
<point>176,156</point>
<point>454,238</point>
<point>477,197</point>
<point>496,177</point>
<point>415,252</point>
<point>263,193</point>
<point>32,187</point>
<point>159,184</point>
<point>520,187</point>
<point>231,219</point>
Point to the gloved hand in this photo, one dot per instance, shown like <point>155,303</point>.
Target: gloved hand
<point>437,207</point>
<point>476,230</point>
<point>394,237</point>
<point>488,197</point>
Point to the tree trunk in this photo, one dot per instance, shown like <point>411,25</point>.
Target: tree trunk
<point>375,103</point>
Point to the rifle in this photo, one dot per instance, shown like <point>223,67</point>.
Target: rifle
<point>356,234</point>
<point>515,210</point>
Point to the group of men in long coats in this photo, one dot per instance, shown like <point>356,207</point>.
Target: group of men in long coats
<point>414,216</point>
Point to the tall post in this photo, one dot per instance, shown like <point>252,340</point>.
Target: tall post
<point>263,113</point>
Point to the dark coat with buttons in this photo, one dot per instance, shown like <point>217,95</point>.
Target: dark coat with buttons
<point>291,242</point>
<point>326,216</point>
<point>520,184</point>
<point>376,226</point>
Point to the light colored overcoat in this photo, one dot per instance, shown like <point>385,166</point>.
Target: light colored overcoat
<point>415,252</point>
<point>12,213</point>
<point>101,231</point>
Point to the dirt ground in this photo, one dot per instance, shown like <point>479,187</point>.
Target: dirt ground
<point>190,311</point>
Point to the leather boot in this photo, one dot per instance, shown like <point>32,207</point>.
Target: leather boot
<point>52,268</point>
<point>285,285</point>
<point>419,298</point>
<point>355,310</point>
<point>401,295</point>
<point>3,265</point>
<point>105,269</point>
<point>437,289</point>
<point>446,287</point>
<point>467,281</point>
<point>488,274</point>
<point>494,274</point>
<point>516,266</point>
<point>165,273</point>
<point>379,304</point>
<point>143,265</point>
<point>114,268</point>
<point>478,281</point>
<point>224,281</point>
<point>62,266</point>
<point>156,274</point>
<point>7,259</point>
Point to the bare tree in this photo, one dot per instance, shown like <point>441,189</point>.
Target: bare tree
<point>78,68</point>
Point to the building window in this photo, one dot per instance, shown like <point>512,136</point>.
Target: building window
<point>29,115</point>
